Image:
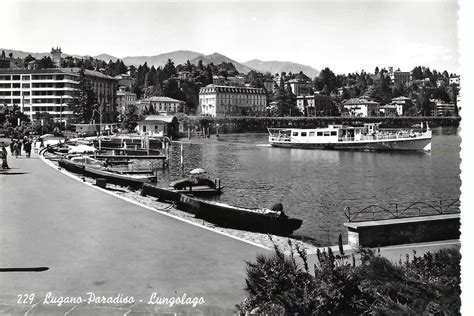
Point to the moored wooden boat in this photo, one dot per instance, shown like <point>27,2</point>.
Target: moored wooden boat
<point>94,171</point>
<point>273,221</point>
<point>197,186</point>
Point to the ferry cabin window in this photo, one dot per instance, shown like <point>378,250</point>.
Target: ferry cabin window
<point>303,133</point>
<point>320,134</point>
<point>333,133</point>
<point>326,133</point>
<point>311,133</point>
<point>295,133</point>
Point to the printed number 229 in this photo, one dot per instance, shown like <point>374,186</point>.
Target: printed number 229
<point>25,298</point>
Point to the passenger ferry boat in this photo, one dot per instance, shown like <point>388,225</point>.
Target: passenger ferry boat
<point>367,137</point>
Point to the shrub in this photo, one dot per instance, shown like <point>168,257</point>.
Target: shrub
<point>283,285</point>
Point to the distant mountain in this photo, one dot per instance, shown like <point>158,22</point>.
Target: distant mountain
<point>22,54</point>
<point>181,56</point>
<point>217,58</point>
<point>106,57</point>
<point>178,57</point>
<point>274,67</point>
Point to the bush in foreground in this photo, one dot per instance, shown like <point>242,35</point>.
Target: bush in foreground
<point>284,285</point>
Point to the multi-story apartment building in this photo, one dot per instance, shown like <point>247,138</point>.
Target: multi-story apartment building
<point>217,100</point>
<point>53,90</point>
<point>160,105</point>
<point>315,105</point>
<point>124,98</point>
<point>441,108</point>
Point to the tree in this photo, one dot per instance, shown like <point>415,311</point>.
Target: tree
<point>200,65</point>
<point>11,115</point>
<point>28,59</point>
<point>45,62</point>
<point>171,89</point>
<point>326,79</point>
<point>417,73</point>
<point>130,118</point>
<point>169,69</point>
<point>427,285</point>
<point>85,100</point>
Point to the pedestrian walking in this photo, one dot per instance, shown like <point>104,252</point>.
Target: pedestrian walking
<point>27,148</point>
<point>15,149</point>
<point>3,155</point>
<point>12,142</point>
<point>19,142</point>
<point>41,143</point>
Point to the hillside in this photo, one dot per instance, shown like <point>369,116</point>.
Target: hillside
<point>106,57</point>
<point>178,57</point>
<point>22,54</point>
<point>274,67</point>
<point>217,58</point>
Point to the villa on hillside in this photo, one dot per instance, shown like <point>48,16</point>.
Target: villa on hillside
<point>363,106</point>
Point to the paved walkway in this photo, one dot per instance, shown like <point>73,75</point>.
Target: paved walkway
<point>94,242</point>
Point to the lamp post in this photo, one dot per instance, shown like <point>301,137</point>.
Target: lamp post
<point>61,113</point>
<point>100,118</point>
<point>100,126</point>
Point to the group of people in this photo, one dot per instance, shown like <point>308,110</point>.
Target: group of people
<point>17,144</point>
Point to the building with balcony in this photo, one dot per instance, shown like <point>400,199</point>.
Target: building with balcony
<point>315,105</point>
<point>160,105</point>
<point>53,90</point>
<point>215,100</point>
<point>441,108</point>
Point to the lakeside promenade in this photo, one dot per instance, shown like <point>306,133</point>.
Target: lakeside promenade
<point>94,242</point>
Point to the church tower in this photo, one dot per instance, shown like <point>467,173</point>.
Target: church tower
<point>56,56</point>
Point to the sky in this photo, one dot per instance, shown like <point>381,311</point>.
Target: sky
<point>344,36</point>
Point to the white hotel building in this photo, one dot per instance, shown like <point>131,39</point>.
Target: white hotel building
<point>52,90</point>
<point>216,100</point>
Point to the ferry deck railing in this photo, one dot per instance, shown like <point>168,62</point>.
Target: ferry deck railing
<point>382,136</point>
<point>398,210</point>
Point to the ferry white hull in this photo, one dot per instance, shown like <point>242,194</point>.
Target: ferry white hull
<point>408,144</point>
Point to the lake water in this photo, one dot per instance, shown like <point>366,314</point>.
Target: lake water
<point>316,185</point>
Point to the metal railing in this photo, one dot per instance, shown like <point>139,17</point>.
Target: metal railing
<point>396,210</point>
